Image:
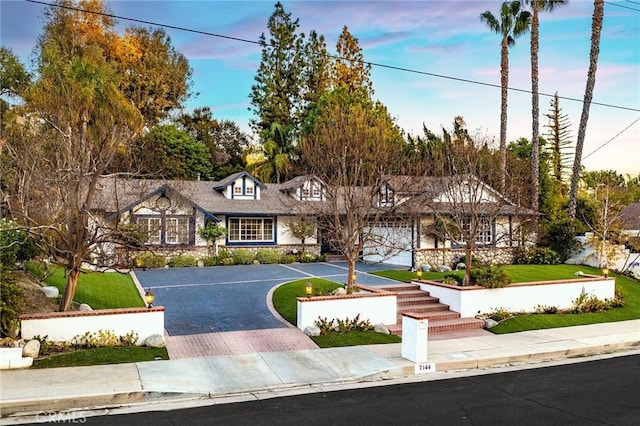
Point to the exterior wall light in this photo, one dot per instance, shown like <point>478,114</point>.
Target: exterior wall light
<point>149,297</point>
<point>308,288</point>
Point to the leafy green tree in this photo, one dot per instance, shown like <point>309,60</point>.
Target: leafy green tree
<point>169,153</point>
<point>212,232</point>
<point>610,178</point>
<point>276,93</point>
<point>302,228</point>
<point>224,140</point>
<point>596,30</point>
<point>317,69</point>
<point>511,23</point>
<point>14,78</point>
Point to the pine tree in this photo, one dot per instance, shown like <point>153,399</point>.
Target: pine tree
<point>349,69</point>
<point>559,138</point>
<point>276,94</point>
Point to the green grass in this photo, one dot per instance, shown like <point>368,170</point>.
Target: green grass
<point>518,273</point>
<point>101,356</point>
<point>629,288</point>
<point>284,301</point>
<point>284,297</point>
<point>100,290</point>
<point>354,338</point>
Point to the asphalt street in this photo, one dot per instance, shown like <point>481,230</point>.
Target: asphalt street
<point>234,298</point>
<point>584,393</point>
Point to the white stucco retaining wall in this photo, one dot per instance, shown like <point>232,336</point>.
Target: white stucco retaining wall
<point>471,301</point>
<point>375,307</point>
<point>64,326</point>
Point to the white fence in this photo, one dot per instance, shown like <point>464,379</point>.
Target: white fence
<point>623,260</point>
<point>471,301</point>
<point>375,307</point>
<point>64,326</point>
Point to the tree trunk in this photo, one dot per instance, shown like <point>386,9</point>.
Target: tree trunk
<point>504,83</point>
<point>535,115</point>
<point>351,282</point>
<point>69,291</point>
<point>596,28</point>
<point>468,253</point>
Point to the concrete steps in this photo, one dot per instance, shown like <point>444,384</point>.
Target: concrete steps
<point>423,306</point>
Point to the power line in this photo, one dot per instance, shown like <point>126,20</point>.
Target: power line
<point>610,140</point>
<point>623,6</point>
<point>634,2</point>
<point>373,64</point>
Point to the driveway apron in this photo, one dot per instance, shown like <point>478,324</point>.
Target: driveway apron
<point>233,298</point>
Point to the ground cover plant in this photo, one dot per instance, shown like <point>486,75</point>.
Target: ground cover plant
<point>100,356</point>
<point>100,290</point>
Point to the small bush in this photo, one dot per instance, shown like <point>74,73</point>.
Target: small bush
<point>183,261</point>
<point>452,279</point>
<point>15,245</point>
<point>103,338</point>
<point>535,256</point>
<point>586,303</point>
<point>11,303</point>
<point>499,314</point>
<point>268,256</point>
<point>209,261</point>
<point>287,258</point>
<point>457,259</point>
<point>307,258</point>
<point>490,276</point>
<point>243,257</point>
<point>149,260</point>
<point>544,309</point>
<point>342,325</point>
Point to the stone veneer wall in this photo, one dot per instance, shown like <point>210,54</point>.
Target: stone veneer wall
<point>449,257</point>
<point>312,249</point>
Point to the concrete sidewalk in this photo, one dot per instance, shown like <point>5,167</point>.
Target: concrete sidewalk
<point>240,377</point>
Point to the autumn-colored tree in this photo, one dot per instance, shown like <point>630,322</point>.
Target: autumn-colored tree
<point>352,145</point>
<point>511,23</point>
<point>77,119</point>
<point>349,69</point>
<point>153,75</point>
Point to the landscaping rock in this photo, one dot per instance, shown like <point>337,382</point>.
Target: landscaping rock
<point>200,263</point>
<point>51,292</point>
<point>461,266</point>
<point>579,274</point>
<point>155,341</point>
<point>31,349</point>
<point>489,323</point>
<point>340,291</point>
<point>444,268</point>
<point>426,268</point>
<point>380,328</point>
<point>85,307</point>
<point>311,331</point>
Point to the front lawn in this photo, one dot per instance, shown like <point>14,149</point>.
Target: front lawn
<point>284,301</point>
<point>101,356</point>
<point>100,290</point>
<point>629,288</point>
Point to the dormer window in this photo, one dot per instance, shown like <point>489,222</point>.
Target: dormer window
<point>386,196</point>
<point>237,190</point>
<point>249,190</point>
<point>305,192</point>
<point>316,191</point>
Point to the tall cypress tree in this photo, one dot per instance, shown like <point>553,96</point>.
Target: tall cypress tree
<point>559,139</point>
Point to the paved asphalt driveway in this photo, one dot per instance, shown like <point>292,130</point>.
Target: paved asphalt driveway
<point>234,298</point>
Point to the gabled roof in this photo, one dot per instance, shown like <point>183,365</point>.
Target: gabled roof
<point>297,182</point>
<point>221,185</point>
<point>630,216</point>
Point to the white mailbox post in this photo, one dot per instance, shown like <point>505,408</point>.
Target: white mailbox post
<point>414,338</point>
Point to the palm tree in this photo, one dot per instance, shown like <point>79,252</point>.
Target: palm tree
<point>278,154</point>
<point>536,7</point>
<point>512,24</point>
<point>596,28</point>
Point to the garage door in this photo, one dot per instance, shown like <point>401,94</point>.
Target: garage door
<point>391,243</point>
